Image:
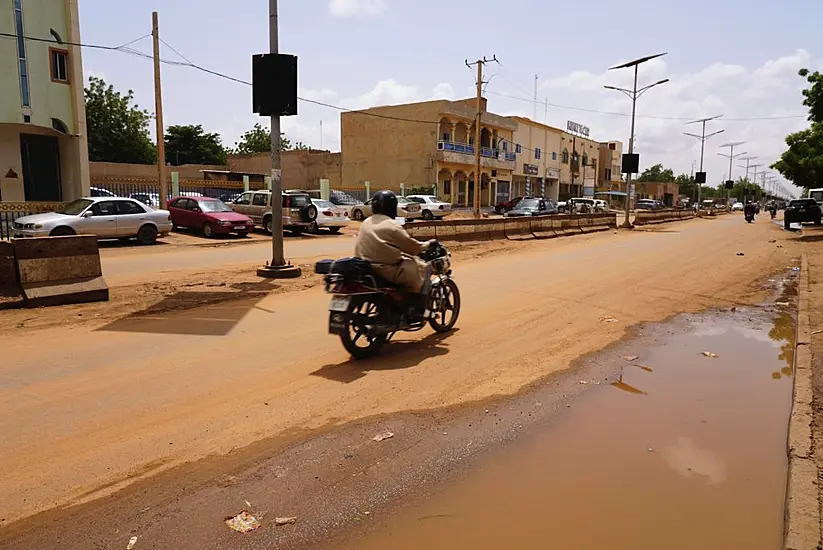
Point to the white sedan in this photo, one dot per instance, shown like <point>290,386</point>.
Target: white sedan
<point>432,207</point>
<point>738,206</point>
<point>106,217</point>
<point>329,216</point>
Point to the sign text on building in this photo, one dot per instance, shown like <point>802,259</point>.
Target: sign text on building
<point>531,169</point>
<point>576,128</point>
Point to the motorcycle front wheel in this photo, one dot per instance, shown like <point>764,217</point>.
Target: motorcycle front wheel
<point>365,311</point>
<point>445,306</point>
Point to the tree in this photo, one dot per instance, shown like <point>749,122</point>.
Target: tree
<point>118,131</point>
<point>657,173</point>
<point>802,162</point>
<point>191,145</point>
<point>258,140</point>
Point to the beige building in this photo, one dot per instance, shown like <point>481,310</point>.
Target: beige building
<point>608,174</point>
<point>302,169</point>
<point>429,144</point>
<point>43,147</point>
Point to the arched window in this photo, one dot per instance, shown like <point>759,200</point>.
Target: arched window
<point>59,125</point>
<point>585,159</point>
<point>56,36</point>
<point>565,156</point>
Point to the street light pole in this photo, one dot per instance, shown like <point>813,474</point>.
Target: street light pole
<point>278,268</point>
<point>634,93</point>
<point>703,137</point>
<point>731,156</point>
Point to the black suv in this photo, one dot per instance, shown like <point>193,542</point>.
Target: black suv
<point>802,210</point>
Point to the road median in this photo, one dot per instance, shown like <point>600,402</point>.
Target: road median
<point>515,229</point>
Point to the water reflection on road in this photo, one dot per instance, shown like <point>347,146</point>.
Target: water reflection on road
<point>690,454</point>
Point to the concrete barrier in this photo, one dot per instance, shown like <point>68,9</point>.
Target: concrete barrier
<point>10,293</point>
<point>60,270</point>
<point>645,217</point>
<point>541,227</point>
<point>518,229</point>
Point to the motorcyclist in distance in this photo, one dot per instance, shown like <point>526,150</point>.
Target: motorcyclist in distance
<point>393,253</point>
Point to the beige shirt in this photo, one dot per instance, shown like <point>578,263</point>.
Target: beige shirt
<point>382,241</point>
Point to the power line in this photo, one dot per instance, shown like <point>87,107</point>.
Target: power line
<point>613,113</point>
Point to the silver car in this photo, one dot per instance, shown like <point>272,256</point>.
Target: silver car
<point>405,209</point>
<point>298,211</point>
<point>106,217</point>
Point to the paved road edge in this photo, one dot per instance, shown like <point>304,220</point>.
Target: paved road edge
<point>802,525</point>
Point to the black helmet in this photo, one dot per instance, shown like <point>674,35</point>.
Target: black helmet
<point>384,202</point>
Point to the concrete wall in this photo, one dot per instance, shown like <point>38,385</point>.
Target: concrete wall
<point>657,190</point>
<point>301,169</point>
<point>387,152</point>
<point>123,170</point>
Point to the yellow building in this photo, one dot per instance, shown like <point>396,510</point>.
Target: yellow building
<point>43,147</point>
<point>609,176</point>
<point>428,144</point>
<point>552,162</point>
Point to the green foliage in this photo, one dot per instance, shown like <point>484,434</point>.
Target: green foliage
<point>117,130</point>
<point>802,162</point>
<point>657,173</point>
<point>191,145</point>
<point>258,140</point>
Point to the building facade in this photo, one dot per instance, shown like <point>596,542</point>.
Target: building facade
<point>429,145</point>
<point>609,168</point>
<point>538,164</point>
<point>43,146</point>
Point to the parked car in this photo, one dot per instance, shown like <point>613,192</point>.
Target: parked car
<point>100,192</point>
<point>432,207</point>
<point>298,211</point>
<point>561,206</point>
<point>579,205</point>
<point>149,199</point>
<point>532,206</point>
<point>600,205</point>
<point>802,210</point>
<point>106,217</point>
<point>405,209</point>
<point>337,198</point>
<point>212,216</point>
<point>737,207</point>
<point>505,206</point>
<point>648,204</point>
<point>329,216</point>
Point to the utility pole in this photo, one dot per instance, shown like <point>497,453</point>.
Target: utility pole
<point>478,119</point>
<point>731,156</point>
<point>633,94</point>
<point>321,135</point>
<point>278,268</point>
<point>703,137</point>
<point>158,108</point>
<point>535,98</point>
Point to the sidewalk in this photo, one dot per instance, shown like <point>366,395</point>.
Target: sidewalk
<point>804,530</point>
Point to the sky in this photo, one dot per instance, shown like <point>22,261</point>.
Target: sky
<point>724,57</point>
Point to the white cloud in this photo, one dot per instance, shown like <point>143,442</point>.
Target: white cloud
<point>356,8</point>
<point>385,92</point>
<point>444,90</point>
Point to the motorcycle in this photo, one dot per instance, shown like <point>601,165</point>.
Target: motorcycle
<point>366,311</point>
<point>773,213</point>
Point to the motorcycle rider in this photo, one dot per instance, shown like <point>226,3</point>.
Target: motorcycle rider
<point>392,252</point>
<point>773,208</point>
<point>749,210</point>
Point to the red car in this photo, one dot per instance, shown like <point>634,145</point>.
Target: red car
<point>505,206</point>
<point>212,216</point>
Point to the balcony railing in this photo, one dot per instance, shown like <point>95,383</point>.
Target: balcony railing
<point>467,149</point>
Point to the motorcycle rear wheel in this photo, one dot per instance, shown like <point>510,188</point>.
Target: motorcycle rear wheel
<point>357,342</point>
<point>445,306</point>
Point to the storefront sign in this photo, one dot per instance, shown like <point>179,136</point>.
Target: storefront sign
<point>576,128</point>
<point>553,173</point>
<point>531,169</point>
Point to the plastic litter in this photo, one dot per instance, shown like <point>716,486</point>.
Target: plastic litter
<point>384,435</point>
<point>284,521</point>
<point>243,522</point>
<point>710,355</point>
<point>630,358</point>
<point>608,320</point>
<point>132,542</point>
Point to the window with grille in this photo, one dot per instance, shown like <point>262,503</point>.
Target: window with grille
<point>59,65</point>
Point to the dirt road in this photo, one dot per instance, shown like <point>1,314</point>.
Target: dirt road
<point>87,409</point>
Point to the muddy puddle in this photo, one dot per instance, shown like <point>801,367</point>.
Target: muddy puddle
<point>680,451</point>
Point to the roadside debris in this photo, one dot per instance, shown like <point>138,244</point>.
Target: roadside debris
<point>710,355</point>
<point>630,358</point>
<point>795,269</point>
<point>608,320</point>
<point>384,435</point>
<point>772,240</point>
<point>284,521</point>
<point>132,542</point>
<point>740,254</point>
<point>243,522</point>
<point>584,381</point>
<point>817,331</point>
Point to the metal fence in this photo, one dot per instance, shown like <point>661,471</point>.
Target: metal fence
<point>10,211</point>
